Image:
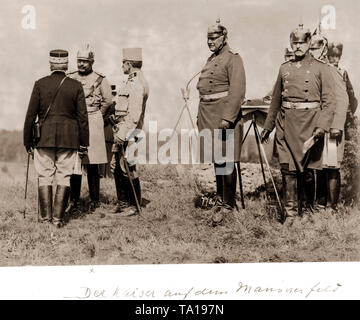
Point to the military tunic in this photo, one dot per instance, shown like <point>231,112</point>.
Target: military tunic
<point>130,107</point>
<point>342,104</point>
<point>223,72</point>
<point>307,80</point>
<point>98,100</point>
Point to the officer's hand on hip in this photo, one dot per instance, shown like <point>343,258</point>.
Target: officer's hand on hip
<point>225,124</point>
<point>335,134</point>
<point>264,136</point>
<point>318,133</point>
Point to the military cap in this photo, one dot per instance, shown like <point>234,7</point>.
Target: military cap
<point>318,41</point>
<point>86,53</point>
<point>217,29</point>
<point>59,56</point>
<point>132,54</point>
<point>335,49</point>
<point>300,35</point>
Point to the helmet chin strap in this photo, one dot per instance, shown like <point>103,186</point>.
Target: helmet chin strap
<point>222,44</point>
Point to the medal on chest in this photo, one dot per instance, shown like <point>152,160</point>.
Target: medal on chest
<point>298,65</point>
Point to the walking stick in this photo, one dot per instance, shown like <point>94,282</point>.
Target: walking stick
<point>240,185</point>
<point>271,176</point>
<point>26,181</point>
<point>130,180</point>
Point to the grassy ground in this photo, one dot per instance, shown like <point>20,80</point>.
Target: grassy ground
<point>171,228</point>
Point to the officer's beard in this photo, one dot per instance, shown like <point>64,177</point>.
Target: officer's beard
<point>85,72</point>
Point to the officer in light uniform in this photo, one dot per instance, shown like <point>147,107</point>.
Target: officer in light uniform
<point>328,179</point>
<point>222,91</point>
<point>98,100</point>
<point>64,131</point>
<point>129,116</point>
<point>302,106</point>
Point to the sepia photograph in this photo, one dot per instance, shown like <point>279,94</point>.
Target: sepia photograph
<point>198,138</point>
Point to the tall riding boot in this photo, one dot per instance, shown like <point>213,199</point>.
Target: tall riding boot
<point>45,201</point>
<point>60,203</point>
<point>290,193</point>
<point>219,186</point>
<point>309,189</point>
<point>334,181</point>
<point>229,188</point>
<point>75,189</point>
<point>94,185</point>
<point>321,188</point>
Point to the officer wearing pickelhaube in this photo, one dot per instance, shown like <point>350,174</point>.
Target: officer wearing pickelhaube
<point>221,87</point>
<point>302,107</point>
<point>98,100</point>
<point>128,118</point>
<point>59,104</point>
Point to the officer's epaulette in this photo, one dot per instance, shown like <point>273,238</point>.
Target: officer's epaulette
<point>232,51</point>
<point>99,74</point>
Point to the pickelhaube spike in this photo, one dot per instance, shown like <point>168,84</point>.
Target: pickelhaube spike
<point>217,29</point>
<point>300,35</point>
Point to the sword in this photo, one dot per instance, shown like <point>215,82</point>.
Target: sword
<point>26,181</point>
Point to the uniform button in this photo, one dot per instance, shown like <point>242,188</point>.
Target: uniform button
<point>215,65</point>
<point>307,81</point>
<point>211,72</point>
<point>210,90</point>
<point>286,90</point>
<point>210,81</point>
<point>307,71</point>
<point>306,90</point>
<point>286,81</point>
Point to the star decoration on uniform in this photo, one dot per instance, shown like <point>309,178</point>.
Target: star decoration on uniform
<point>298,65</point>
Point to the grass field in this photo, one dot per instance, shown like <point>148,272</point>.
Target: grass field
<point>171,229</point>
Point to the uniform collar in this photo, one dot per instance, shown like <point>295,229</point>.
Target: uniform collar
<point>134,73</point>
<point>57,71</point>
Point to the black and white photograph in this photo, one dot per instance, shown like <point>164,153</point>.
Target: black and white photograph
<point>149,140</point>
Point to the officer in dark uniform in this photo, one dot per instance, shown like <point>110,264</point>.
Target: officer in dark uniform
<point>222,90</point>
<point>302,107</point>
<point>64,130</point>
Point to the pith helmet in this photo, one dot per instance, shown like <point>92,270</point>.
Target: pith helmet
<point>300,35</point>
<point>217,29</point>
<point>58,56</point>
<point>86,53</point>
<point>335,49</point>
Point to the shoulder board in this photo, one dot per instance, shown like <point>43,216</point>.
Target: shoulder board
<point>99,74</point>
<point>324,62</point>
<point>232,51</point>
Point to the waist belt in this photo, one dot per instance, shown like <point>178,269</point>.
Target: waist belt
<point>92,109</point>
<point>214,96</point>
<point>300,105</point>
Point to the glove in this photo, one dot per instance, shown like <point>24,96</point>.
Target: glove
<point>336,134</point>
<point>264,136</point>
<point>318,133</point>
<point>225,124</point>
<point>82,152</point>
<point>29,149</point>
<point>112,120</point>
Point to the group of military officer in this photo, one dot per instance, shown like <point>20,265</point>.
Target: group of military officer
<point>71,108</point>
<point>308,107</point>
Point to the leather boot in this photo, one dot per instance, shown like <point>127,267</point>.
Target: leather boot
<point>45,202</point>
<point>219,187</point>
<point>229,188</point>
<point>321,189</point>
<point>94,185</point>
<point>334,181</point>
<point>309,189</point>
<point>60,203</point>
<point>75,189</point>
<point>290,194</point>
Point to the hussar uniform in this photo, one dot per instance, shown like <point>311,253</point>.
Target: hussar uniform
<point>303,101</point>
<point>98,100</point>
<point>129,117</point>
<point>64,129</point>
<point>221,87</point>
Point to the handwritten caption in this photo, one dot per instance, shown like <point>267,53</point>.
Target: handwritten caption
<point>241,290</point>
